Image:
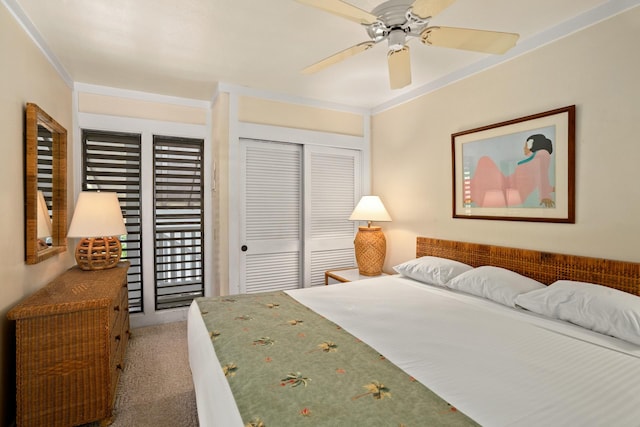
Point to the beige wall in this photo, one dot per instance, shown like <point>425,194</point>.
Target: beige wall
<point>597,70</point>
<point>220,138</point>
<point>26,76</point>
<point>262,111</point>
<point>139,109</point>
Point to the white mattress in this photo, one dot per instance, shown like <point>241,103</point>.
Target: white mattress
<point>500,366</point>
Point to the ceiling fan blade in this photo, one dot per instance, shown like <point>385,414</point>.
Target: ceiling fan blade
<point>429,8</point>
<point>469,39</point>
<point>345,10</point>
<point>399,67</point>
<point>340,56</point>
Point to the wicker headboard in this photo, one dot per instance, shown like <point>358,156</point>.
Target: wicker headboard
<point>546,267</point>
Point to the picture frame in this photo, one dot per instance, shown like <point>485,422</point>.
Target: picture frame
<point>518,170</point>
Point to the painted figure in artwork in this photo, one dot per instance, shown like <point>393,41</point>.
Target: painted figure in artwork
<point>490,187</point>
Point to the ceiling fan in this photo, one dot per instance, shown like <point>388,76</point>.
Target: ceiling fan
<point>399,21</point>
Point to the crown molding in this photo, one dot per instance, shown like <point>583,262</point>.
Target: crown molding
<point>21,17</point>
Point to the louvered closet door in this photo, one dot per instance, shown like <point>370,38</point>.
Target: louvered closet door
<point>271,216</point>
<point>331,191</point>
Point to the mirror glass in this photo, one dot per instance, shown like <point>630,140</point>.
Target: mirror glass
<point>45,186</point>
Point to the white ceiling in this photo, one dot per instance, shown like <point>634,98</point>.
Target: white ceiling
<point>185,48</point>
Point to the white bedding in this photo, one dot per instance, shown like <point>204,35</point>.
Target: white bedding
<point>500,366</point>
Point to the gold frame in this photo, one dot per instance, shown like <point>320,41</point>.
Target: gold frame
<point>35,117</point>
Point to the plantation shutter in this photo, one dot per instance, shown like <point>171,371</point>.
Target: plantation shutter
<point>332,191</point>
<point>111,162</point>
<point>271,216</point>
<point>178,220</point>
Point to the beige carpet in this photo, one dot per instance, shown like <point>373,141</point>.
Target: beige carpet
<point>156,389</point>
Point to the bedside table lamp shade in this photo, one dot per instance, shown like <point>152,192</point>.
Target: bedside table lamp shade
<point>98,221</point>
<point>370,243</point>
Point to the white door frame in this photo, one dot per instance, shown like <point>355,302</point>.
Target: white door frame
<point>239,130</point>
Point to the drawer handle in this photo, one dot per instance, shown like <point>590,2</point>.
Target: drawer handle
<point>116,308</point>
<point>119,366</point>
<point>117,337</point>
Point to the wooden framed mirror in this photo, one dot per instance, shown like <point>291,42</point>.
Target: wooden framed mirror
<point>45,204</point>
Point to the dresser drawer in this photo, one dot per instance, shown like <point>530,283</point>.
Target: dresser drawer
<point>120,305</point>
<point>119,337</point>
<point>118,332</point>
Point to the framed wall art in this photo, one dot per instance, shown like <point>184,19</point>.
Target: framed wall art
<point>518,170</point>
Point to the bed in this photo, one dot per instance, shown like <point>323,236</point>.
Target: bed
<point>447,356</point>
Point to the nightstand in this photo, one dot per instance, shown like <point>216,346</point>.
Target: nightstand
<point>343,275</point>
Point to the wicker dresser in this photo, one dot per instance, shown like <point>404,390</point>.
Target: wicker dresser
<point>71,337</point>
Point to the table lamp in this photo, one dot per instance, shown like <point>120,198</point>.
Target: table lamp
<point>43,221</point>
<point>98,221</point>
<point>370,243</point>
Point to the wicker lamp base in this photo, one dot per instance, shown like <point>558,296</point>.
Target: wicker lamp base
<point>371,248</point>
<point>98,253</point>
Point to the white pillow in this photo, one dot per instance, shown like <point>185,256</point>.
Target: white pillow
<point>432,270</point>
<point>601,309</point>
<point>494,283</point>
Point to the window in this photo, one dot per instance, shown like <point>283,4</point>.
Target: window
<point>111,162</point>
<point>178,220</point>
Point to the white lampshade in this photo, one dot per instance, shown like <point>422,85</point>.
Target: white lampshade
<point>43,219</point>
<point>97,214</point>
<point>370,208</point>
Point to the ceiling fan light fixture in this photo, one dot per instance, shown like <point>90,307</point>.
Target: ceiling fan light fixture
<point>397,40</point>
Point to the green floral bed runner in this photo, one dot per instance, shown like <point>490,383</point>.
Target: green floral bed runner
<point>289,366</point>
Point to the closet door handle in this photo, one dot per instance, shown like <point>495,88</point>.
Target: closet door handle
<point>244,248</point>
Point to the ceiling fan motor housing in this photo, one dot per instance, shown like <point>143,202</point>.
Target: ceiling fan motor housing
<point>395,23</point>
